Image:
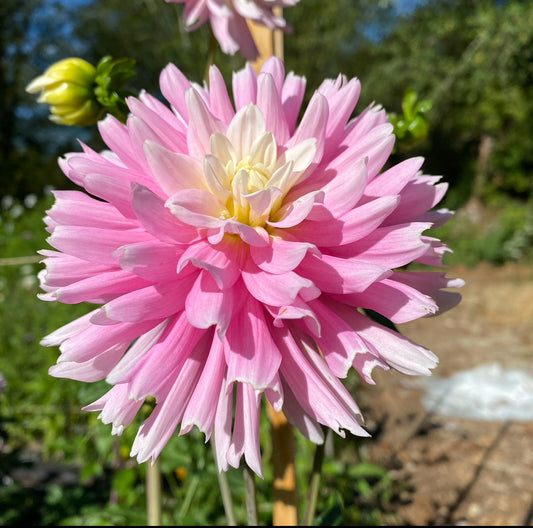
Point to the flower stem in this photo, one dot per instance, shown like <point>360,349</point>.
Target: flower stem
<point>153,493</point>
<point>212,53</point>
<point>225,492</point>
<point>314,484</point>
<point>251,496</point>
<point>283,454</point>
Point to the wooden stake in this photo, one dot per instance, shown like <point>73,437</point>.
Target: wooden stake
<point>285,494</point>
<point>268,42</point>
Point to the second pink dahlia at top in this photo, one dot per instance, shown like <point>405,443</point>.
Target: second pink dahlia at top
<point>230,252</point>
<point>228,21</point>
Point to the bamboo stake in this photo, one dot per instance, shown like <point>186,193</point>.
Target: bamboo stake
<point>268,42</point>
<point>283,450</point>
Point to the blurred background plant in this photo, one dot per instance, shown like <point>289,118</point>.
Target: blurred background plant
<point>457,81</point>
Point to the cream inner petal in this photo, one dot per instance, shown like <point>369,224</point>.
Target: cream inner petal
<point>247,175</point>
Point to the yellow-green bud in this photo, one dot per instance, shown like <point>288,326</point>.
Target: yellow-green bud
<point>68,87</point>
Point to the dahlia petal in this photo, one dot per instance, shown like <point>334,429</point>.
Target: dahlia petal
<point>223,424</point>
<point>116,408</point>
<point>261,202</point>
<point>393,180</point>
<point>222,261</point>
<point>152,260</point>
<point>63,270</point>
<point>371,117</point>
<point>318,392</point>
<point>220,103</point>
<point>157,429</point>
<point>338,275</point>
<point>297,416</point>
<point>216,177</point>
<point>247,125</point>
<point>396,301</point>
<point>343,191</point>
<point>365,363</point>
<point>207,305</point>
<point>202,127</point>
<point>398,351</point>
<point>276,69</point>
<point>178,342</point>
<point>244,86</point>
<point>269,102</point>
<point>152,302</point>
<point>174,86</point>
<point>341,106</point>
<point>390,246</point>
<point>69,330</point>
<point>157,219</point>
<point>135,353</point>
<point>292,213</point>
<point>96,339</point>
<point>352,227</point>
<point>277,290</point>
<point>163,111</point>
<point>251,354</point>
<point>313,125</point>
<point>173,171</point>
<point>292,97</point>
<point>93,244</point>
<point>417,197</point>
<point>97,288</point>
<point>280,255</point>
<point>77,208</point>
<point>376,146</point>
<point>435,251</point>
<point>245,438</point>
<point>432,284</point>
<point>116,192</point>
<point>196,207</point>
<point>437,218</point>
<point>202,406</point>
<point>171,137</point>
<point>254,236</point>
<point>94,369</point>
<point>337,341</point>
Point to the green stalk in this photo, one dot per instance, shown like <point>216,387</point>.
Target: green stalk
<point>153,493</point>
<point>225,492</point>
<point>212,53</point>
<point>251,497</point>
<point>314,484</point>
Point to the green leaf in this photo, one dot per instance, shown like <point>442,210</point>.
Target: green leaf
<point>408,103</point>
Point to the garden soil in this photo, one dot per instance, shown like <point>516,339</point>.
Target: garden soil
<point>457,470</point>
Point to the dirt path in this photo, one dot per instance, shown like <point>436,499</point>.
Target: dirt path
<point>461,471</point>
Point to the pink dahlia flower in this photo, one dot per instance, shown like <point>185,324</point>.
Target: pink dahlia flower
<point>228,20</point>
<point>230,253</point>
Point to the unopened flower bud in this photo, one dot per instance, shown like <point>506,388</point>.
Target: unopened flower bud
<point>68,87</point>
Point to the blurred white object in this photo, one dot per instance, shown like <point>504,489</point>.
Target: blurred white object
<point>487,392</point>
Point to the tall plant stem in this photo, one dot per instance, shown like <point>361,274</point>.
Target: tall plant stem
<point>225,491</point>
<point>153,493</point>
<point>314,484</point>
<point>285,512</point>
<point>212,53</point>
<point>251,496</point>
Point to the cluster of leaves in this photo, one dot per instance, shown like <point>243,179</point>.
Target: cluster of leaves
<point>412,126</point>
<point>111,76</point>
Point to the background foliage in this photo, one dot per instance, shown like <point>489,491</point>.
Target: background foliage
<point>473,61</point>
